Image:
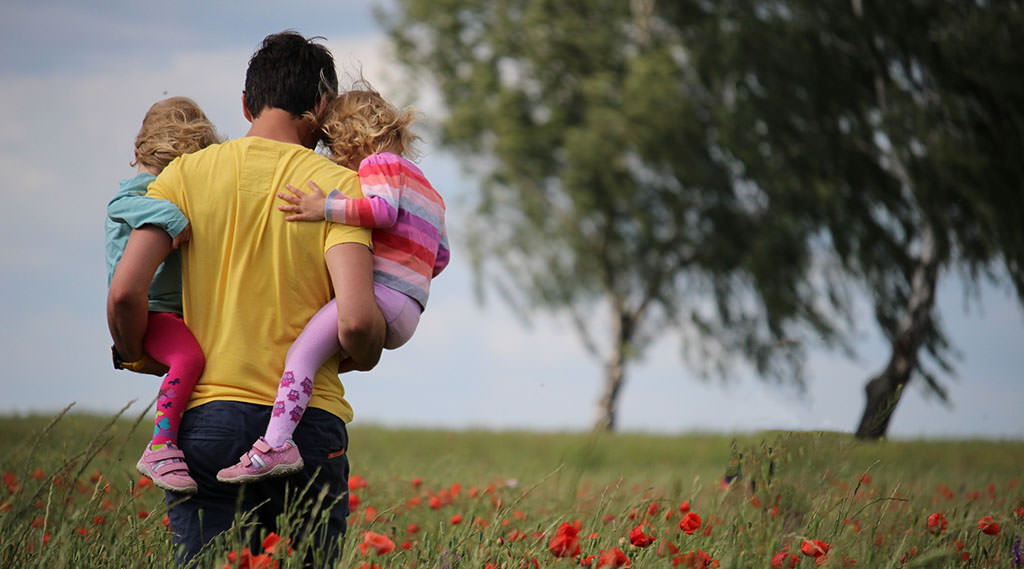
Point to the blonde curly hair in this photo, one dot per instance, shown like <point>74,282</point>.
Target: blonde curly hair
<point>172,127</point>
<point>359,122</point>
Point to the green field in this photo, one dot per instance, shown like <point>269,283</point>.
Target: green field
<point>72,498</point>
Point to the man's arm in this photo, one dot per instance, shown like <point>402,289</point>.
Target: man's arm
<point>361,326</point>
<point>128,298</point>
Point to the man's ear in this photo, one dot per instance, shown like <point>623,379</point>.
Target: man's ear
<point>245,109</point>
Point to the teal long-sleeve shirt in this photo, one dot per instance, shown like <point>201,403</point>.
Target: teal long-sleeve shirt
<point>129,209</point>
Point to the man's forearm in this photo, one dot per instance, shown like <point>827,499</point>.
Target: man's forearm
<point>363,344</point>
<point>361,326</point>
<point>127,318</point>
<point>128,298</point>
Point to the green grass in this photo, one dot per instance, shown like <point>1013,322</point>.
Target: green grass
<point>71,498</point>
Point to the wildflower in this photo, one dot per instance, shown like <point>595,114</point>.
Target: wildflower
<point>406,545</point>
<point>638,538</point>
<point>988,526</point>
<point>937,523</point>
<point>353,501</point>
<point>566,542</point>
<point>612,559</point>
<point>412,528</point>
<point>696,560</point>
<point>241,560</point>
<point>379,543</point>
<point>608,518</point>
<point>1017,554</point>
<point>143,514</point>
<point>667,547</point>
<point>814,547</point>
<point>99,521</point>
<point>262,561</point>
<point>784,560</point>
<point>38,474</point>
<point>456,519</point>
<point>434,502</point>
<point>417,482</point>
<point>144,482</point>
<point>684,507</point>
<point>690,523</point>
<point>356,482</point>
<point>273,542</point>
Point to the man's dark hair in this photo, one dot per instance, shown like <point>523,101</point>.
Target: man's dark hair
<point>289,72</point>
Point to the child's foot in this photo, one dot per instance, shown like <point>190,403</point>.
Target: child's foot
<point>263,461</point>
<point>167,469</point>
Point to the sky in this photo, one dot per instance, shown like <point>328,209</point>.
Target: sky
<point>75,81</point>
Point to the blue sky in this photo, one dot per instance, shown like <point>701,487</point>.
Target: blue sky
<point>75,81</point>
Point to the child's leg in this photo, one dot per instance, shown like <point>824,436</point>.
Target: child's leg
<point>317,342</point>
<point>170,342</point>
<point>401,313</point>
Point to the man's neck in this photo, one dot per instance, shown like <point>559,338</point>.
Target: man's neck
<point>280,125</point>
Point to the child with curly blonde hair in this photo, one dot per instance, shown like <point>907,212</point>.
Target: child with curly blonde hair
<point>171,127</point>
<point>364,132</point>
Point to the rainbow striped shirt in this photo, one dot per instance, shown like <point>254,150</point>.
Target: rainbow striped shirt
<point>410,244</point>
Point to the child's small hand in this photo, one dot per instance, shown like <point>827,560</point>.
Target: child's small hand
<point>304,207</point>
<point>183,236</point>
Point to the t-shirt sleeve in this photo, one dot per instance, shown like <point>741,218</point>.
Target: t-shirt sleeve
<point>167,186</point>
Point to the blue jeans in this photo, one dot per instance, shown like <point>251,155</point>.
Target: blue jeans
<point>214,435</point>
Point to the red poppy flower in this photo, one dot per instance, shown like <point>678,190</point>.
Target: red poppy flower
<point>262,561</point>
<point>275,543</point>
<point>814,547</point>
<point>566,542</point>
<point>455,519</point>
<point>381,544</point>
<point>613,559</point>
<point>784,560</point>
<point>937,523</point>
<point>988,526</point>
<point>638,538</point>
<point>690,523</point>
<point>696,560</point>
<point>355,482</point>
<point>684,507</point>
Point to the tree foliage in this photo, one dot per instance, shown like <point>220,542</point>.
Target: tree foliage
<point>727,169</point>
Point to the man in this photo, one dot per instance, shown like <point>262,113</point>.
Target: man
<point>250,282</point>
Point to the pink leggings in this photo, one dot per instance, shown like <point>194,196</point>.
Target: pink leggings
<point>319,341</point>
<point>170,342</point>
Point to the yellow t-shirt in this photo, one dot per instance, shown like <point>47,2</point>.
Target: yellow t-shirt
<point>250,279</point>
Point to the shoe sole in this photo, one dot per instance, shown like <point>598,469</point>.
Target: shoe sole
<point>163,485</point>
<point>279,470</point>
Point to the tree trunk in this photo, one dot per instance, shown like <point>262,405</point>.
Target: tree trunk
<point>885,389</point>
<point>614,374</point>
<point>607,405</point>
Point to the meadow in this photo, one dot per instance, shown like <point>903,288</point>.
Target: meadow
<point>442,499</point>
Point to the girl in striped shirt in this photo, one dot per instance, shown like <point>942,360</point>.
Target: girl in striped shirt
<point>367,134</point>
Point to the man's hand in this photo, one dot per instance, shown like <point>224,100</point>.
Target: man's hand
<point>146,365</point>
<point>304,207</point>
<point>184,236</point>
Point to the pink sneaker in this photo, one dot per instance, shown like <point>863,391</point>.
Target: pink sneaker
<point>167,469</point>
<point>263,461</point>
